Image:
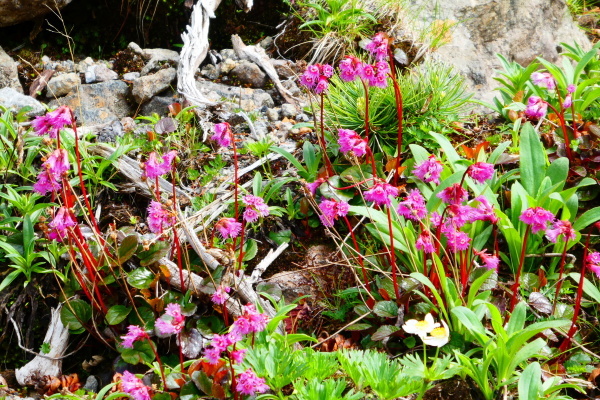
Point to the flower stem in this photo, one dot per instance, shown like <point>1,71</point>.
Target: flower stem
<point>560,275</point>
<point>393,255</point>
<point>321,136</point>
<point>515,286</point>
<point>563,126</point>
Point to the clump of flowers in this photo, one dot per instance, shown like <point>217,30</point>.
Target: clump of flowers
<point>350,68</point>
<point>481,172</point>
<point>220,295</point>
<point>172,322</point>
<point>134,386</point>
<point>560,228</point>
<point>429,170</point>
<point>316,77</point>
<point>431,332</point>
<point>222,134</point>
<point>544,79</point>
<point>413,207</point>
<point>489,261</point>
<point>593,263</point>
<point>228,228</point>
<point>255,208</point>
<point>153,168</point>
<point>134,334</point>
<point>536,108</point>
<point>351,142</point>
<point>248,383</point>
<point>331,210</point>
<point>378,46</point>
<point>537,217</point>
<point>52,122</point>
<point>53,169</point>
<point>159,218</point>
<point>60,224</point>
<point>381,193</point>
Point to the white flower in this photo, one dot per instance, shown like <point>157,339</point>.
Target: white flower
<point>438,336</point>
<point>421,328</point>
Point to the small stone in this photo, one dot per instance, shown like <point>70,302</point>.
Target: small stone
<point>227,65</point>
<point>266,43</point>
<point>272,114</point>
<point>146,87</point>
<point>305,130</point>
<point>110,132</point>
<point>288,110</point>
<point>45,59</point>
<point>210,71</point>
<point>103,73</point>
<point>302,118</point>
<point>131,76</point>
<point>295,131</point>
<point>14,101</point>
<point>9,74</point>
<point>261,128</point>
<point>229,53</point>
<point>62,85</point>
<point>249,73</point>
<point>92,384</point>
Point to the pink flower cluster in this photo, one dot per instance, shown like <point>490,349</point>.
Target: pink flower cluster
<point>159,218</point>
<point>350,141</point>
<point>52,122</point>
<point>481,172</point>
<point>378,46</point>
<point>313,186</point>
<point>228,228</point>
<point>255,208</point>
<point>331,210</point>
<point>220,295</point>
<point>536,107</point>
<point>154,168</point>
<point>429,170</point>
<point>172,322</point>
<point>53,169</point>
<point>537,217</point>
<point>60,224</point>
<point>134,386</point>
<point>489,261</point>
<point>250,321</point>
<point>350,68</point>
<point>248,383</point>
<point>544,79</point>
<point>424,242</point>
<point>316,77</point>
<point>568,101</point>
<point>375,74</point>
<point>380,193</point>
<point>593,263</point>
<point>223,134</point>
<point>413,206</point>
<point>134,334</point>
<point>454,194</point>
<point>560,228</point>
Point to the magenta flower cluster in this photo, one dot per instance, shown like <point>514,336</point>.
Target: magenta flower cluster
<point>62,221</point>
<point>374,74</point>
<point>429,170</point>
<point>228,228</point>
<point>378,46</point>
<point>52,122</point>
<point>331,210</point>
<point>153,168</point>
<point>316,77</point>
<point>536,108</point>
<point>134,386</point>
<point>351,142</point>
<point>544,79</point>
<point>223,135</point>
<point>249,384</point>
<point>537,217</point>
<point>220,295</point>
<point>53,169</point>
<point>381,193</point>
<point>159,218</point>
<point>593,263</point>
<point>171,322</point>
<point>255,208</point>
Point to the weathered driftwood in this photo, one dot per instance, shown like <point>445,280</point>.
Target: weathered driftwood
<point>57,336</point>
<point>257,55</point>
<point>265,262</point>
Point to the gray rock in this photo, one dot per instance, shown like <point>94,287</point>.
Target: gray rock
<point>520,30</point>
<point>155,58</point>
<point>266,43</point>
<point>92,384</point>
<point>131,76</point>
<point>227,65</point>
<point>158,105</point>
<point>285,68</point>
<point>261,128</point>
<point>272,114</point>
<point>302,118</point>
<point>249,73</point>
<point>110,132</point>
<point>250,99</point>
<point>99,103</point>
<point>229,53</point>
<point>99,73</point>
<point>61,85</point>
<point>13,100</point>
<point>146,87</point>
<point>288,110</point>
<point>65,66</point>
<point>9,75</point>
<point>292,88</point>
<point>13,12</point>
<point>210,71</point>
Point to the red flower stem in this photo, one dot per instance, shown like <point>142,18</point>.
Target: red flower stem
<point>359,257</point>
<point>567,341</point>
<point>560,275</point>
<point>515,286</point>
<point>366,110</point>
<point>160,364</point>
<point>328,166</point>
<point>575,131</point>
<point>563,126</point>
<point>393,255</point>
<point>235,177</point>
<point>236,395</point>
<point>176,241</point>
<point>180,352</point>
<point>372,157</point>
<point>399,113</point>
<point>241,255</point>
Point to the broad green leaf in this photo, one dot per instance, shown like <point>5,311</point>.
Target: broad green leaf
<point>140,278</point>
<point>116,314</point>
<point>74,313</point>
<point>386,309</point>
<point>127,248</point>
<point>530,382</point>
<point>587,218</point>
<point>141,352</point>
<point>588,287</point>
<point>250,249</point>
<point>533,160</point>
<point>470,321</point>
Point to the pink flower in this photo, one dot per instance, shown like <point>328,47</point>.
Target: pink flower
<point>222,134</point>
<point>250,321</point>
<point>315,77</point>
<point>489,261</point>
<point>322,85</point>
<point>425,243</point>
<point>379,76</point>
<point>481,171</point>
<point>313,186</point>
<point>52,122</point>
<point>60,224</point>
<point>134,334</point>
<point>536,108</point>
<point>429,170</point>
<point>238,356</point>
<point>457,240</point>
<point>537,217</point>
<point>220,295</point>
<point>46,182</point>
<point>568,101</point>
<point>571,88</point>
<point>172,321</point>
<point>228,228</point>
<point>350,141</point>
<point>134,386</point>
<point>153,168</point>
<point>248,383</point>
<point>413,207</point>
<point>212,355</point>
<point>544,79</point>
<point>484,210</point>
<point>367,72</point>
<point>222,342</point>
<point>327,70</point>
<point>458,215</point>
<point>593,262</point>
<point>58,162</point>
<point>350,68</point>
<point>378,46</point>
<point>560,228</point>
<point>331,210</point>
<point>454,194</point>
<point>159,218</point>
<point>256,208</point>
<point>380,193</point>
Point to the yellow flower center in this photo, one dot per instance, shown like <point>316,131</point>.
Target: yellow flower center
<point>422,325</point>
<point>438,332</point>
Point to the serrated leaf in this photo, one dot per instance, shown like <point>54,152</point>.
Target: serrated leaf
<point>75,313</point>
<point>540,302</point>
<point>156,251</point>
<point>116,314</point>
<point>140,278</point>
<point>127,248</point>
<point>383,332</point>
<point>386,309</point>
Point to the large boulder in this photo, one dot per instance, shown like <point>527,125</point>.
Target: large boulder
<point>13,12</point>
<point>9,75</point>
<point>521,30</point>
<point>15,101</point>
<point>98,103</point>
<point>149,85</point>
<point>245,98</point>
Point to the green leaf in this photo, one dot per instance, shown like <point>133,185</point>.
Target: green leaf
<point>533,160</point>
<point>386,309</point>
<point>281,237</point>
<point>156,251</point>
<point>140,278</point>
<point>127,248</point>
<point>141,352</point>
<point>250,249</point>
<point>470,321</point>
<point>74,313</point>
<point>358,327</point>
<point>116,314</point>
<point>588,287</point>
<point>383,332</point>
<point>530,382</point>
<point>587,218</point>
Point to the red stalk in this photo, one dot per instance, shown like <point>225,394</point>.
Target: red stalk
<point>515,286</point>
<point>560,274</point>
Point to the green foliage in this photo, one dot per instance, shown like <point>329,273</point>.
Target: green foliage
<point>329,389</point>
